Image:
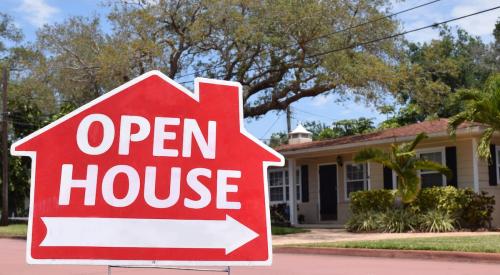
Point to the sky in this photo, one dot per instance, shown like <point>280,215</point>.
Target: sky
<point>29,15</point>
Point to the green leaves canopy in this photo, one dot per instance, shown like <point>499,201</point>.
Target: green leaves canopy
<point>273,48</point>
<point>481,107</point>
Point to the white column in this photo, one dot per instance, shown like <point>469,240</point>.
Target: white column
<point>475,166</point>
<point>292,190</point>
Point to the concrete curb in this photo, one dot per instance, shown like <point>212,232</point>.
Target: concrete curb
<point>390,253</point>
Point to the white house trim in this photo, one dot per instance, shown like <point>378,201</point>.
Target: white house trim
<point>292,191</point>
<point>366,179</point>
<point>475,166</point>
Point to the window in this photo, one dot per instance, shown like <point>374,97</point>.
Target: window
<point>432,178</point>
<point>356,177</point>
<point>278,185</point>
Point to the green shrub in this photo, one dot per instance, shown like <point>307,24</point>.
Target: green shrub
<point>279,214</point>
<point>436,221</point>
<point>363,222</point>
<point>436,209</point>
<point>477,210</point>
<point>397,220</point>
<point>446,199</point>
<point>372,200</point>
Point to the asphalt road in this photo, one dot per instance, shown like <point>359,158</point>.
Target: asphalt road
<point>12,263</point>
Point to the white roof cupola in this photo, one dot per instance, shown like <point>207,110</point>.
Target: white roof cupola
<point>299,135</point>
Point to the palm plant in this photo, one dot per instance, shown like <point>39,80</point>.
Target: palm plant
<point>480,107</point>
<point>403,160</point>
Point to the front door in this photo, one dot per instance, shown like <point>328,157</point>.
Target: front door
<point>328,192</point>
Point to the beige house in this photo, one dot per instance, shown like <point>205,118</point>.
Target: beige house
<point>325,174</point>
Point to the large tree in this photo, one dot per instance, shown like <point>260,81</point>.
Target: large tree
<point>280,51</point>
<point>435,71</point>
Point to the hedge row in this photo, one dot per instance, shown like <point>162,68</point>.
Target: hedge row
<point>436,209</point>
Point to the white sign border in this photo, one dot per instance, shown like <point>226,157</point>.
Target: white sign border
<point>150,263</point>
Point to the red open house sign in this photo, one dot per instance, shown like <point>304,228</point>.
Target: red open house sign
<point>150,174</point>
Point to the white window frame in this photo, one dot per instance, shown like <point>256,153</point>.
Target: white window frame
<point>497,150</point>
<point>366,179</point>
<point>443,162</point>
<point>284,186</point>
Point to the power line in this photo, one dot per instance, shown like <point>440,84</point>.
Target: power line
<point>272,126</point>
<point>364,43</point>
<point>374,20</point>
<point>313,114</point>
<point>334,32</point>
<point>402,33</point>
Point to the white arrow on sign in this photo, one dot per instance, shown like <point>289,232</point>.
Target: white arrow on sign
<point>228,234</point>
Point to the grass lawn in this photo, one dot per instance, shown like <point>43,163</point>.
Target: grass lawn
<point>13,230</point>
<point>280,230</point>
<point>487,243</point>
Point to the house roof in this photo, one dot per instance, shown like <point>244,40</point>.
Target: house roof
<point>300,130</point>
<point>430,127</point>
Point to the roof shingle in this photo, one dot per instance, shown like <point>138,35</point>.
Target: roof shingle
<point>429,127</point>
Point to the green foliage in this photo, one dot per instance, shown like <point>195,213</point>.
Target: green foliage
<point>279,214</point>
<point>341,128</point>
<point>282,230</point>
<point>278,139</point>
<point>349,127</point>
<point>449,200</point>
<point>318,129</point>
<point>477,210</point>
<point>436,221</point>
<point>481,107</point>
<point>378,200</point>
<point>363,221</point>
<point>436,209</point>
<point>398,220</point>
<point>437,70</point>
<point>8,31</point>
<point>260,44</point>
<point>402,159</point>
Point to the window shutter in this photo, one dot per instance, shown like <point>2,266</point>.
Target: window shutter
<point>451,162</point>
<point>304,178</point>
<point>492,166</point>
<point>388,178</point>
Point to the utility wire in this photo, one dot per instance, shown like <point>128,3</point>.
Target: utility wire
<point>332,33</point>
<point>313,114</point>
<point>401,33</point>
<point>364,43</point>
<point>272,126</point>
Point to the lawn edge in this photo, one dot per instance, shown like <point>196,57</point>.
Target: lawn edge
<point>394,253</point>
<point>13,237</point>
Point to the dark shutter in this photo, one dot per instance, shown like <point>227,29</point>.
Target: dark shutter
<point>451,162</point>
<point>304,178</point>
<point>492,167</point>
<point>388,184</point>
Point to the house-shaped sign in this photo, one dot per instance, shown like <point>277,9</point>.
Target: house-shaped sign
<point>150,174</point>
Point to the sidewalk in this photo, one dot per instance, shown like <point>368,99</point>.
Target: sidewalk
<point>335,235</point>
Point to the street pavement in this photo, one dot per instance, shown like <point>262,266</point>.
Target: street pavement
<point>12,262</point>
